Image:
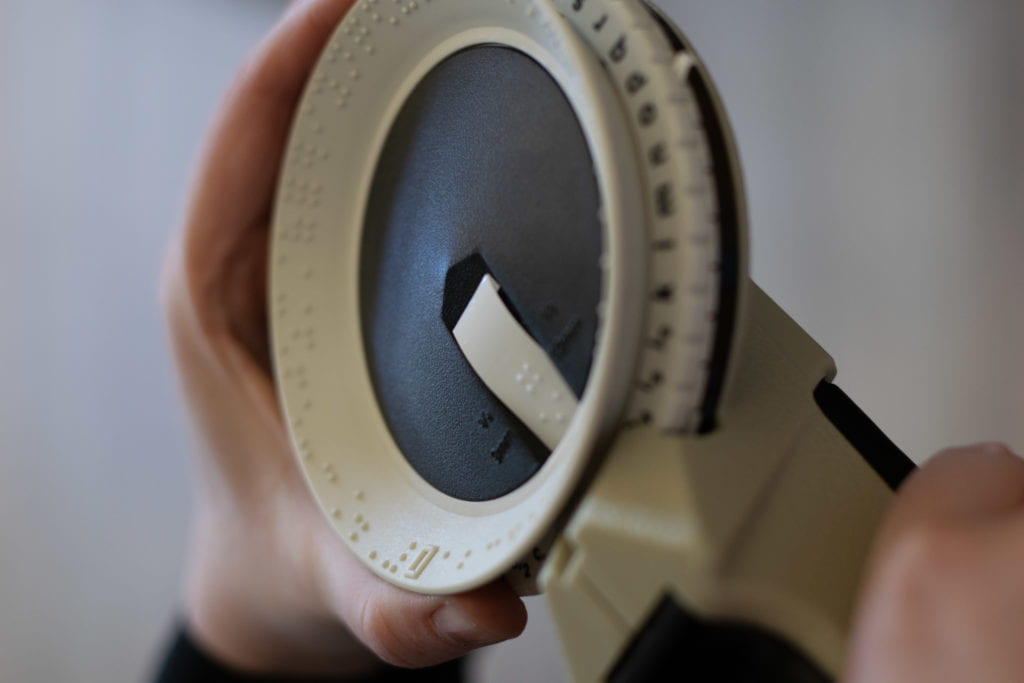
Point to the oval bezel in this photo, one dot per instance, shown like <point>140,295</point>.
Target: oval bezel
<point>402,528</point>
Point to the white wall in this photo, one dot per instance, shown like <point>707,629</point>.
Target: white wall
<point>884,150</point>
<point>101,106</point>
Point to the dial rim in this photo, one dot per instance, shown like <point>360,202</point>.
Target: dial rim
<point>692,305</point>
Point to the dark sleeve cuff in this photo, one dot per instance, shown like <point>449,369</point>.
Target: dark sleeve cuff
<point>185,662</point>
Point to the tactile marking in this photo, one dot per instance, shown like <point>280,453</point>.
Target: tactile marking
<point>514,366</point>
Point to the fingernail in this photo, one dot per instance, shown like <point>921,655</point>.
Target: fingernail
<point>452,622</point>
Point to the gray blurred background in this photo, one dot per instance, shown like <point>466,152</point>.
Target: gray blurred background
<point>883,146</point>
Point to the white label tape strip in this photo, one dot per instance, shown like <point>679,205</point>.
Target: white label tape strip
<point>513,366</point>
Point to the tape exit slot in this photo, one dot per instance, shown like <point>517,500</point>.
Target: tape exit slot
<point>514,366</point>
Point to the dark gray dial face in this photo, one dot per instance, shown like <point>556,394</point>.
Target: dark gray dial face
<point>485,170</point>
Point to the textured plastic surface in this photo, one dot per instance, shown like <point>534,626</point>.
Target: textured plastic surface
<point>486,157</point>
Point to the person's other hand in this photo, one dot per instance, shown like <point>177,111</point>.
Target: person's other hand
<point>270,587</point>
<point>944,594</point>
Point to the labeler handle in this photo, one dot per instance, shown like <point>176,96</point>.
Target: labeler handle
<point>735,555</point>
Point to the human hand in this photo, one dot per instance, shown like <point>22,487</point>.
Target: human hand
<point>270,587</point>
<point>944,595</point>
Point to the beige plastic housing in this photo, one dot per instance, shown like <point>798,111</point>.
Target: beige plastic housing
<point>767,520</point>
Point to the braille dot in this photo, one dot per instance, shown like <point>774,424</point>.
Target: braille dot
<point>386,564</point>
<point>468,553</point>
<point>412,546</point>
<point>359,519</point>
<point>459,566</point>
<point>394,568</point>
<point>366,527</point>
<point>354,537</point>
<point>373,555</point>
<point>403,557</point>
<point>337,513</point>
<point>446,555</point>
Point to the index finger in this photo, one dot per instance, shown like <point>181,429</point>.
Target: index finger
<point>233,187</point>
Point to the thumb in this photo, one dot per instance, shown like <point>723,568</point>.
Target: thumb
<point>411,630</point>
<point>938,559</point>
<point>957,486</point>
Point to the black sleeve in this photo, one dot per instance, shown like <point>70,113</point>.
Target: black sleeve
<point>185,662</point>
